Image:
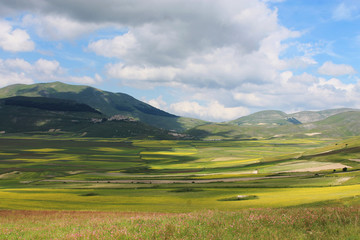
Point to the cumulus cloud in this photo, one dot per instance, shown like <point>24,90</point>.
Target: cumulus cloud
<point>9,73</point>
<point>17,70</point>
<point>218,45</point>
<point>158,102</point>
<point>119,47</point>
<point>58,27</point>
<point>228,54</point>
<point>14,40</point>
<point>332,69</point>
<point>212,111</point>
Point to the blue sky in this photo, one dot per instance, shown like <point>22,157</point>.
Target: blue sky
<point>213,60</point>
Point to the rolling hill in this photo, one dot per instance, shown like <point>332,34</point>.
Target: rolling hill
<point>274,118</point>
<point>268,117</point>
<point>105,102</point>
<point>313,116</point>
<point>343,124</point>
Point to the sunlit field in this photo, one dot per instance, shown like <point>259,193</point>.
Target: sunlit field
<point>174,176</point>
<point>120,188</point>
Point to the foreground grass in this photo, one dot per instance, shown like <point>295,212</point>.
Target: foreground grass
<point>290,223</point>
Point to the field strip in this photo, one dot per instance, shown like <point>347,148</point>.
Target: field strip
<point>190,174</point>
<point>172,181</point>
<point>320,168</point>
<point>355,160</point>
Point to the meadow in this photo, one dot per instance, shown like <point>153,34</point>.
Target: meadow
<point>126,187</point>
<point>301,223</point>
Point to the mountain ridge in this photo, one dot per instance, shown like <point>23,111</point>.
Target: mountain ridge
<point>106,102</point>
<point>53,116</point>
<point>276,117</point>
<point>109,104</point>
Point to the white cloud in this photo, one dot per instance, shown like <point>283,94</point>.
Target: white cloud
<point>119,47</point>
<point>17,64</point>
<point>10,74</point>
<point>47,67</point>
<point>336,84</point>
<point>58,27</point>
<point>332,69</point>
<point>227,55</point>
<point>17,70</point>
<point>158,102</point>
<point>14,40</point>
<point>82,80</point>
<point>9,78</point>
<point>141,73</point>
<point>218,45</point>
<point>213,111</point>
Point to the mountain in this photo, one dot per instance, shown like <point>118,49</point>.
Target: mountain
<point>274,118</point>
<point>105,102</point>
<point>313,116</point>
<point>269,117</point>
<point>39,115</point>
<point>339,125</point>
<point>343,124</point>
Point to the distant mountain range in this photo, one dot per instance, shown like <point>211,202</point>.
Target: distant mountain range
<point>272,117</point>
<point>85,111</point>
<point>343,124</point>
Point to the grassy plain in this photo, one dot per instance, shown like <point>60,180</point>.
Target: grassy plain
<point>139,175</point>
<point>185,180</point>
<point>299,223</point>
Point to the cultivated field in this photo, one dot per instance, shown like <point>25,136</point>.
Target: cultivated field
<point>159,183</point>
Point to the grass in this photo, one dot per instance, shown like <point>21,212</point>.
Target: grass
<point>157,199</point>
<point>94,188</point>
<point>295,223</point>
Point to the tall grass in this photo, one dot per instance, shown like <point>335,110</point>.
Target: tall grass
<point>291,223</point>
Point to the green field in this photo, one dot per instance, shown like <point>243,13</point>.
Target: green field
<point>147,189</point>
<point>174,176</point>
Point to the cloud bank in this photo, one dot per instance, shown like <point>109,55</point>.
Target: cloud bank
<point>219,59</point>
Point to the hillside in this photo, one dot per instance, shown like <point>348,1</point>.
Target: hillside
<point>275,118</point>
<point>269,117</point>
<point>37,115</point>
<point>344,124</point>
<point>107,103</point>
<point>313,116</point>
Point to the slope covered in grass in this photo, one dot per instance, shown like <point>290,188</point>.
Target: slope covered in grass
<point>106,102</point>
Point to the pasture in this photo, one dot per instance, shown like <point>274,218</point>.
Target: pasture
<point>174,176</point>
<point>136,189</point>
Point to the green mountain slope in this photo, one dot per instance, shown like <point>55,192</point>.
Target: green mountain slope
<point>342,124</point>
<point>106,102</point>
<point>38,115</point>
<point>272,117</point>
<point>313,116</point>
<point>269,117</point>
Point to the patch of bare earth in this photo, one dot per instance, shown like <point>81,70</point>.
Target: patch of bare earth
<point>341,180</point>
<point>320,168</point>
<point>355,160</point>
<point>223,159</point>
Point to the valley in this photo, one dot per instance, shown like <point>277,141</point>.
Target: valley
<point>175,175</point>
<point>67,151</point>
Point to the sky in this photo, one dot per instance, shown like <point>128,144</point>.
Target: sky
<point>215,60</point>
